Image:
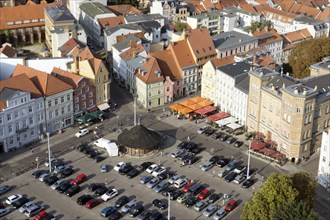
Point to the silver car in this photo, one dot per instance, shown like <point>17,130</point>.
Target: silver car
<point>210,210</point>
<point>153,182</point>
<point>199,206</point>
<point>176,153</point>
<point>220,214</point>
<point>145,179</point>
<point>206,166</point>
<point>173,179</point>
<point>162,185</point>
<point>43,176</point>
<point>128,206</point>
<point>57,183</point>
<point>26,206</point>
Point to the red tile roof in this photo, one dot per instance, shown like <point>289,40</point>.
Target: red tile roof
<point>124,9</point>
<point>150,72</point>
<point>298,35</point>
<point>167,64</point>
<point>67,77</point>
<point>111,21</point>
<point>217,62</point>
<point>70,45</point>
<point>182,53</point>
<point>324,15</point>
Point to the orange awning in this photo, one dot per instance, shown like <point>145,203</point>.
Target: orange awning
<point>197,99</point>
<point>195,106</point>
<point>205,103</point>
<point>185,110</point>
<point>187,103</point>
<point>176,107</point>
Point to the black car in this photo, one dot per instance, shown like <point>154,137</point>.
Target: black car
<point>4,189</point>
<point>222,162</point>
<point>38,173</point>
<point>66,172</point>
<point>98,158</point>
<point>125,169</point>
<point>224,137</point>
<point>159,204</point>
<point>190,201</point>
<point>133,173</point>
<point>214,159</point>
<point>195,150</point>
<point>248,183</point>
<point>183,145</point>
<point>135,210</point>
<point>82,200</point>
<point>191,160</point>
<point>144,166</point>
<point>94,186</point>
<point>191,146</point>
<point>230,177</point>
<point>231,140</point>
<point>50,180</point>
<point>87,150</point>
<point>93,154</point>
<point>73,190</point>
<point>174,195</point>
<point>115,216</point>
<point>209,131</point>
<point>238,143</point>
<point>183,155</point>
<point>100,191</point>
<point>81,147</point>
<point>168,190</point>
<point>63,187</point>
<point>156,215</point>
<point>144,215</point>
<point>217,135</point>
<point>121,201</point>
<point>17,204</point>
<point>213,198</point>
<point>167,174</point>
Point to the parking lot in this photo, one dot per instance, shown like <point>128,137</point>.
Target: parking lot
<point>64,207</point>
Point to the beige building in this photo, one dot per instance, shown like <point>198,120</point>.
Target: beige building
<point>290,112</point>
<point>321,68</point>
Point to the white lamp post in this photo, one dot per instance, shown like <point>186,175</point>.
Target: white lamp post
<point>169,207</point>
<point>49,161</point>
<point>248,166</point>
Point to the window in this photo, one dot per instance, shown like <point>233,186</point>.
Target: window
<point>69,108</point>
<point>62,99</point>
<point>298,109</point>
<point>10,128</point>
<point>16,114</point>
<point>1,132</point>
<point>17,126</point>
<point>327,109</point>
<point>8,117</point>
<point>83,97</point>
<point>30,109</point>
<point>56,112</point>
<point>24,124</point>
<point>324,158</point>
<point>0,120</point>
<point>76,99</point>
<point>50,114</point>
<point>56,101</point>
<point>62,110</point>
<point>32,133</point>
<point>31,120</point>
<point>68,97</point>
<point>49,103</point>
<point>167,88</point>
<point>289,118</point>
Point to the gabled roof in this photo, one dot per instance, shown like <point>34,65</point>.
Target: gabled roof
<point>124,43</point>
<point>298,35</point>
<point>167,64</point>
<point>217,62</point>
<point>132,52</point>
<point>8,51</point>
<point>298,8</point>
<point>22,83</point>
<point>92,9</point>
<point>59,13</point>
<point>324,15</point>
<point>67,77</point>
<point>70,45</point>
<point>266,36</point>
<point>124,9</point>
<point>235,69</point>
<point>182,53</point>
<point>139,35</point>
<point>111,21</point>
<point>47,84</point>
<point>279,15</point>
<point>230,39</point>
<point>150,72</point>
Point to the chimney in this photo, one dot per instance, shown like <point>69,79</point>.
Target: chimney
<point>254,61</point>
<point>132,44</point>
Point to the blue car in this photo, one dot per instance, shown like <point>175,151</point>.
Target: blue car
<point>108,211</point>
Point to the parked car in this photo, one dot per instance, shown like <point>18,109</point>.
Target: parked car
<point>155,215</point>
<point>159,204</point>
<point>153,182</point>
<point>230,177</point>
<point>115,216</point>
<point>144,215</point>
<point>217,135</point>
<point>92,203</point>
<point>160,186</point>
<point>248,183</point>
<point>109,195</point>
<point>238,143</point>
<point>206,166</point>
<point>81,147</point>
<point>63,187</point>
<point>60,168</point>
<point>190,201</point>
<point>82,132</point>
<point>151,168</point>
<point>214,159</point>
<point>183,155</point>
<point>209,131</point>
<point>52,159</point>
<point>191,146</point>
<point>224,137</point>
<point>79,179</point>
<point>94,186</point>
<point>145,179</point>
<point>164,175</point>
<point>4,189</point>
<point>168,190</point>
<point>125,169</point>
<point>173,179</point>
<point>231,205</point>
<point>98,158</point>
<point>41,215</point>
<point>119,165</point>
<point>210,210</point>
<point>38,173</point>
<point>82,200</point>
<point>174,195</point>
<point>73,190</point>
<point>133,173</point>
<point>100,191</point>
<point>158,171</point>
<point>180,182</point>
<point>200,205</point>
<point>213,198</point>
<point>135,210</point>
<point>201,130</point>
<point>182,198</point>
<point>51,179</point>
<point>58,183</point>
<point>195,150</point>
<point>5,211</point>
<point>204,194</point>
<point>223,162</point>
<point>13,198</point>
<point>26,206</point>
<point>144,166</point>
<point>231,140</point>
<point>231,165</point>
<point>239,179</point>
<point>44,176</point>
<point>191,160</point>
<point>104,168</point>
<point>220,214</point>
<point>176,153</point>
<point>20,202</point>
<point>183,145</point>
<point>128,206</point>
<point>107,211</point>
<point>121,201</point>
<point>66,172</point>
<point>239,169</point>
<point>186,187</point>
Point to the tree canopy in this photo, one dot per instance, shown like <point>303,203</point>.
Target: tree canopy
<point>307,53</point>
<point>179,26</point>
<point>295,211</point>
<point>281,190</point>
<point>258,25</point>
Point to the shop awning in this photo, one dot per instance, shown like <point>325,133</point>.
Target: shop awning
<point>272,143</point>
<point>197,99</point>
<point>257,145</point>
<point>185,110</point>
<point>234,126</point>
<point>97,114</point>
<point>260,135</point>
<point>93,109</point>
<point>176,107</point>
<point>226,121</point>
<point>85,118</point>
<point>277,155</point>
<point>267,151</point>
<point>195,106</point>
<point>205,103</point>
<point>103,106</point>
<point>187,103</point>
<point>218,116</point>
<point>205,110</point>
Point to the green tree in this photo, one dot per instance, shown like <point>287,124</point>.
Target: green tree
<point>306,185</point>
<point>307,53</point>
<point>179,26</point>
<point>258,25</point>
<point>295,211</point>
<point>278,190</point>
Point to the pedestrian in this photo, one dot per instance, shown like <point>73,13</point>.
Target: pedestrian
<point>106,182</point>
<point>188,138</point>
<point>196,122</point>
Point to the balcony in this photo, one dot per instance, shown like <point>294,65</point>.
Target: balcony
<point>21,130</point>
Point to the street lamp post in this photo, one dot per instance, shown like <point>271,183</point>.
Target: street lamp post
<point>49,161</point>
<point>37,161</point>
<point>169,207</point>
<point>117,121</point>
<point>249,158</point>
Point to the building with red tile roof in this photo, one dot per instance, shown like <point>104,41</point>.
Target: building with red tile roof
<point>68,47</point>
<point>7,51</point>
<point>124,9</point>
<point>298,8</point>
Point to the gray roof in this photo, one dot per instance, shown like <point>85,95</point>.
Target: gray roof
<point>229,39</point>
<point>7,93</point>
<point>244,83</point>
<point>125,43</point>
<point>233,9</point>
<point>59,13</point>
<point>208,14</point>
<point>235,69</point>
<point>142,17</point>
<point>135,62</point>
<point>109,31</point>
<point>308,20</point>
<point>261,72</point>
<point>148,26</point>
<point>278,81</point>
<point>321,82</point>
<point>324,64</point>
<point>154,16</point>
<point>94,8</point>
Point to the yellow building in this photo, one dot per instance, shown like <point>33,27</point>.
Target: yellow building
<point>288,111</point>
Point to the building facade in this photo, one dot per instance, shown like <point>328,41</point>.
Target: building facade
<point>323,172</point>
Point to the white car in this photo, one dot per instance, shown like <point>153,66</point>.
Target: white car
<point>206,166</point>
<point>57,183</point>
<point>180,183</point>
<point>109,195</point>
<point>104,168</point>
<point>13,198</point>
<point>201,130</point>
<point>151,168</point>
<point>158,171</point>
<point>52,159</point>
<point>119,166</point>
<point>82,132</point>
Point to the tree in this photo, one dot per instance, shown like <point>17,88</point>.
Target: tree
<point>295,211</point>
<point>179,26</point>
<point>258,25</point>
<point>307,53</point>
<point>278,190</point>
<point>306,185</point>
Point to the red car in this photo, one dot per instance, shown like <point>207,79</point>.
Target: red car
<point>186,187</point>
<point>231,205</point>
<point>41,215</point>
<point>92,203</point>
<point>79,179</point>
<point>202,195</point>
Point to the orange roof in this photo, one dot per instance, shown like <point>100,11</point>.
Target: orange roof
<point>248,7</point>
<point>217,62</point>
<point>324,15</point>
<point>275,36</point>
<point>111,21</point>
<point>266,61</point>
<point>289,47</point>
<point>69,45</point>
<point>149,72</point>
<point>132,52</point>
<point>182,53</point>
<point>47,84</point>
<point>30,12</point>
<point>298,8</point>
<point>167,64</point>
<point>297,35</point>
<point>93,59</point>
<point>20,82</point>
<point>67,77</point>
<point>139,35</point>
<point>278,15</point>
<point>124,9</point>
<point>207,4</point>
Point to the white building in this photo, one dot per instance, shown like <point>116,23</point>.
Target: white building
<point>324,164</point>
<point>244,18</point>
<point>22,113</point>
<point>315,27</point>
<point>74,8</point>
<point>171,10</point>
